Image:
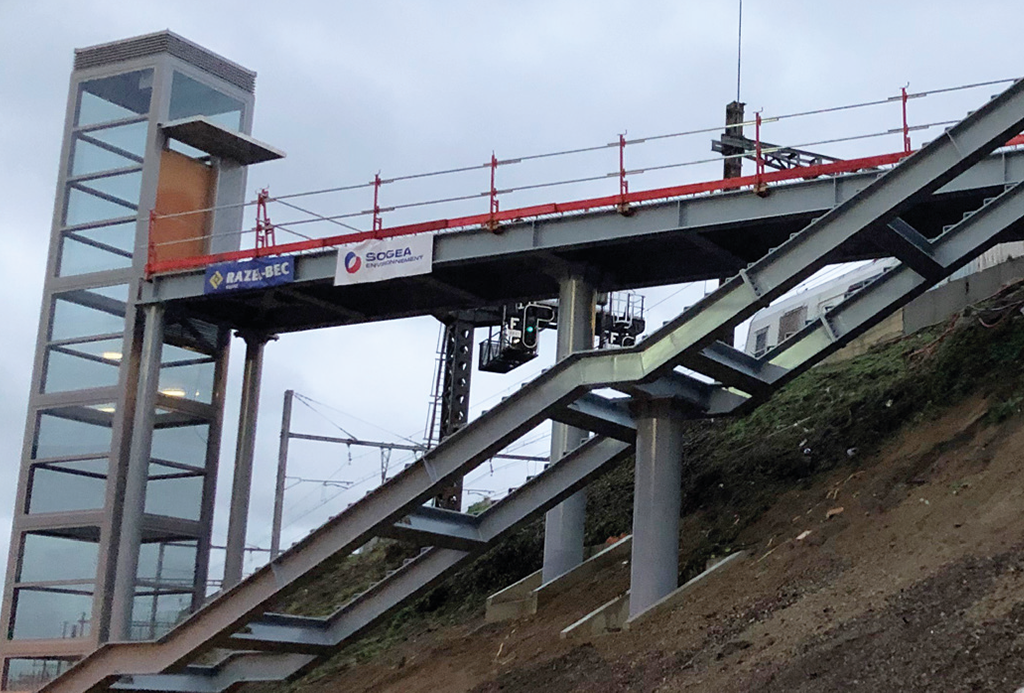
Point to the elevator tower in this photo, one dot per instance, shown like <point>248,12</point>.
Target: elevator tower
<point>152,123</point>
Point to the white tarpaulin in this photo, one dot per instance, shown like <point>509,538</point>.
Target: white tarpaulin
<point>376,260</point>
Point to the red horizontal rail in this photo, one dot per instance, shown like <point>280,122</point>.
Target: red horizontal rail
<point>522,213</point>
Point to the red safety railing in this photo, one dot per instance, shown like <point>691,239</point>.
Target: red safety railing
<point>492,220</point>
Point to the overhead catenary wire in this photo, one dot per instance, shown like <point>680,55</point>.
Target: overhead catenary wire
<point>308,404</point>
<point>555,210</point>
<point>579,150</point>
<point>610,174</point>
<point>356,484</point>
<point>672,295</point>
<point>353,485</point>
<point>314,214</point>
<point>310,400</point>
<point>370,477</point>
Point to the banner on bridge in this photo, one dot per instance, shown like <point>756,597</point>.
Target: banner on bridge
<point>387,258</point>
<point>257,273</point>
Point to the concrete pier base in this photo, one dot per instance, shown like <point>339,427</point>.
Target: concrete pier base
<point>529,595</point>
<point>614,615</point>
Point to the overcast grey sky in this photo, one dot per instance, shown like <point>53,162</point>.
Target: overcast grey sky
<point>350,88</point>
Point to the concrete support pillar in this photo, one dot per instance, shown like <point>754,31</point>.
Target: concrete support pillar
<point>654,570</point>
<point>564,524</point>
<point>137,474</point>
<point>244,451</point>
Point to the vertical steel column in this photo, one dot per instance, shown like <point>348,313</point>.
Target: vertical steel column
<point>244,451</point>
<point>564,524</point>
<point>134,503</point>
<point>282,470</point>
<point>654,569</point>
<point>458,367</point>
<point>221,353</point>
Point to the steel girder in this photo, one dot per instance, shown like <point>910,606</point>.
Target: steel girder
<point>290,645</point>
<point>563,392</point>
<point>957,246</point>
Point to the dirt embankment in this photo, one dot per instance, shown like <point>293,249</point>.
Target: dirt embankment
<point>916,585</point>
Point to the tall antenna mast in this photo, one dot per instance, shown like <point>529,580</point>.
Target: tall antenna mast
<point>739,50</point>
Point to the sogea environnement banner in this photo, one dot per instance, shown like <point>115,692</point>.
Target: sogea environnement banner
<point>387,258</point>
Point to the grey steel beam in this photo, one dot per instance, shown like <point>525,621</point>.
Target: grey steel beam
<point>564,525</point>
<point>562,479</point>
<point>705,244</point>
<point>245,450</point>
<point>909,246</point>
<point>456,291</point>
<point>137,475</point>
<point>279,633</point>
<point>276,633</point>
<point>437,527</point>
<point>346,314</point>
<point>285,633</point>
<point>539,494</point>
<point>232,609</point>
<point>699,398</point>
<point>808,251</point>
<point>603,416</point>
<point>684,218</point>
<point>956,247</point>
<point>237,669</point>
<point>735,368</point>
<point>657,498</point>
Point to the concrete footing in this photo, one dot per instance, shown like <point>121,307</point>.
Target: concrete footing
<point>518,600</point>
<point>526,597</point>
<point>610,617</point>
<point>613,616</point>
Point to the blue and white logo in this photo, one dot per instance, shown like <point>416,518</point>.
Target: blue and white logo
<point>249,274</point>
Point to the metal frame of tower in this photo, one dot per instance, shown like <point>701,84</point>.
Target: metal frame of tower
<point>85,429</point>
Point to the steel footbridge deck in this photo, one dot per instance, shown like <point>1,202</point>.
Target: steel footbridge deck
<point>658,243</point>
<point>934,211</point>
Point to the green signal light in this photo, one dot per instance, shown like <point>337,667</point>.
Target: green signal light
<point>529,328</point>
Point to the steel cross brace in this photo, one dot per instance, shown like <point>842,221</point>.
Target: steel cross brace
<point>957,246</point>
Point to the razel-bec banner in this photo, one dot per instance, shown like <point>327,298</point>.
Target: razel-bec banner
<point>387,258</point>
<point>249,274</point>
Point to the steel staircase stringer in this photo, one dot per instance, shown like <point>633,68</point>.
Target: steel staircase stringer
<point>568,475</point>
<point>1003,216</point>
<point>806,252</point>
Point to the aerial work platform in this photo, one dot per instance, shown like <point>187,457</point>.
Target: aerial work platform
<point>903,211</point>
